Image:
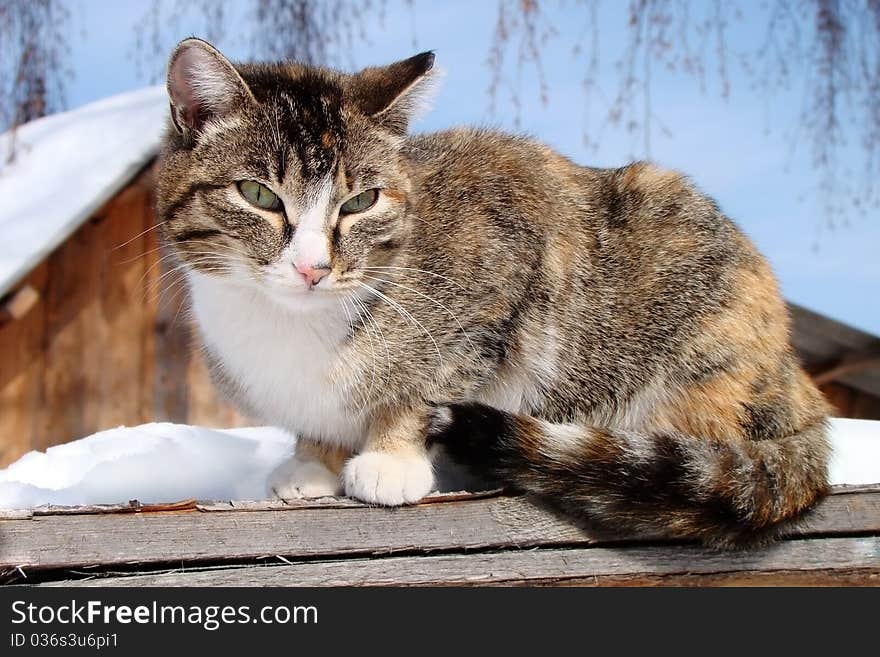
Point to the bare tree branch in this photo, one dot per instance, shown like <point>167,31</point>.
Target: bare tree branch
<point>829,48</point>
<point>33,70</point>
<point>308,31</point>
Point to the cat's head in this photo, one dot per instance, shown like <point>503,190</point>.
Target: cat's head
<point>285,177</point>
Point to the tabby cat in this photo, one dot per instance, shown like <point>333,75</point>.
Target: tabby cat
<point>603,338</point>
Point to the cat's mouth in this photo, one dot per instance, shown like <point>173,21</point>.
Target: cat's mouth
<point>302,297</point>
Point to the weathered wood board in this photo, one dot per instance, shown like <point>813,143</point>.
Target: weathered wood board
<point>833,561</point>
<point>495,539</point>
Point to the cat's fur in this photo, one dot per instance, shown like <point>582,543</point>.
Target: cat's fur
<point>605,338</point>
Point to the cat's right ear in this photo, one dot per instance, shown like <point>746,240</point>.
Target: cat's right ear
<point>202,85</point>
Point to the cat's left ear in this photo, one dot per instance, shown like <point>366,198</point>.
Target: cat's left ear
<point>393,94</point>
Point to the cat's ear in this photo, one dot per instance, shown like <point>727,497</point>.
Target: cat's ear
<point>392,94</point>
<point>202,85</point>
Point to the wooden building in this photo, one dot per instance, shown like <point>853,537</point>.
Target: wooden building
<point>93,324</point>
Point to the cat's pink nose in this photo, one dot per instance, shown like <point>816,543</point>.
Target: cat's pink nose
<point>312,275</point>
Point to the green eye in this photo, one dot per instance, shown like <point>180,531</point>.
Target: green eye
<point>259,195</point>
<point>361,202</point>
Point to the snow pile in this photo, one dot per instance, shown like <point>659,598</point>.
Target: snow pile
<point>856,458</point>
<point>67,166</point>
<point>162,462</point>
<point>151,463</point>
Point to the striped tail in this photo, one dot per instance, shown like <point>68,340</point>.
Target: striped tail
<point>725,493</point>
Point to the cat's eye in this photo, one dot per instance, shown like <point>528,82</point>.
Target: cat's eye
<point>259,195</point>
<point>360,203</point>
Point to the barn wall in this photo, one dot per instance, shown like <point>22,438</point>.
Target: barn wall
<point>108,342</point>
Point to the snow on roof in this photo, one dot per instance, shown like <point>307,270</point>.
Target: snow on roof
<point>66,167</point>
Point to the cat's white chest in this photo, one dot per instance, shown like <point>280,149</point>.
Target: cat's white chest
<point>279,360</point>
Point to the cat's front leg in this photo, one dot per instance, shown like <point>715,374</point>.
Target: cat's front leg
<point>393,467</point>
<point>313,471</point>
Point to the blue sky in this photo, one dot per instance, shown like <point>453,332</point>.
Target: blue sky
<point>736,150</point>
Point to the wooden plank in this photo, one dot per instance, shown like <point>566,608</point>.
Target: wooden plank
<point>122,315</point>
<point>135,506</point>
<point>22,339</point>
<point>68,381</point>
<point>21,370</point>
<point>846,489</point>
<point>148,278</point>
<point>856,361</point>
<point>18,303</point>
<point>76,541</point>
<point>820,340</point>
<point>339,502</point>
<point>866,406</point>
<point>856,512</point>
<point>81,407</point>
<point>821,337</point>
<point>816,561</point>
<point>849,402</point>
<point>173,343</point>
<point>18,398</point>
<point>841,397</point>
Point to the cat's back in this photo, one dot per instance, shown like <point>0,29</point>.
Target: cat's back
<point>471,141</point>
<point>496,166</point>
<point>473,155</point>
<point>497,169</point>
<point>640,212</point>
<point>635,258</point>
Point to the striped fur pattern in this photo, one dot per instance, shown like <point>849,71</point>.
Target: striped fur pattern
<point>604,338</point>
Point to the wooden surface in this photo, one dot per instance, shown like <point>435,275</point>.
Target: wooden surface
<point>486,540</point>
<point>18,303</point>
<point>104,340</point>
<point>810,562</point>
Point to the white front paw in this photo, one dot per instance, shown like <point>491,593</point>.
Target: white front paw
<point>388,479</point>
<point>294,479</point>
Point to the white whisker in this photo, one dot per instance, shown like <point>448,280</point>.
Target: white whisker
<point>378,328</point>
<point>407,316</point>
<point>424,271</point>
<point>364,395</point>
<point>140,234</point>
<point>434,301</point>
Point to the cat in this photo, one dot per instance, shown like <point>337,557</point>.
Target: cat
<point>605,339</point>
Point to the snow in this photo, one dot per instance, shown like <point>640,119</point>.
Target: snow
<point>151,463</point>
<point>67,166</point>
<point>856,458</point>
<point>162,462</point>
